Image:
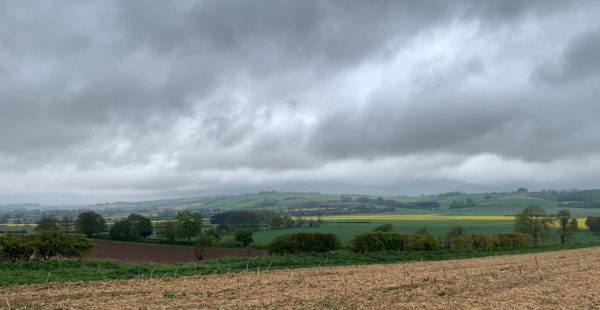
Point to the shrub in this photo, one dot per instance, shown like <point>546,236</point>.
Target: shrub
<point>367,242</point>
<point>483,241</point>
<point>49,244</point>
<point>472,241</point>
<point>593,223</point>
<point>461,243</point>
<point>513,240</point>
<point>390,241</point>
<point>418,242</point>
<point>303,242</point>
<point>16,247</point>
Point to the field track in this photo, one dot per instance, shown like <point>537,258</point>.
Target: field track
<point>551,280</point>
<point>157,253</point>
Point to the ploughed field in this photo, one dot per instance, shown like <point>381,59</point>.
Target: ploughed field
<point>157,253</point>
<point>551,280</point>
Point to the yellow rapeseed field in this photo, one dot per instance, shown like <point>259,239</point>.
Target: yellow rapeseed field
<point>415,217</point>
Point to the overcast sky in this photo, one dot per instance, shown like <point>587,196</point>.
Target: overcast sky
<point>134,100</point>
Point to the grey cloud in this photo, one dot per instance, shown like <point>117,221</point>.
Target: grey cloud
<point>527,126</point>
<point>578,63</point>
<point>181,88</point>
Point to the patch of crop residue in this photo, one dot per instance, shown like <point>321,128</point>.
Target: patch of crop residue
<point>551,280</point>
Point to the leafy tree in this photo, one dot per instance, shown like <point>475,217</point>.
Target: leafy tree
<point>202,242</point>
<point>534,221</point>
<point>121,230</point>
<point>90,223</point>
<point>189,224</point>
<point>384,228</point>
<point>133,227</point>
<point>567,225</point>
<point>46,223</point>
<point>593,223</point>
<point>140,226</point>
<point>422,231</point>
<point>167,230</point>
<point>243,236</point>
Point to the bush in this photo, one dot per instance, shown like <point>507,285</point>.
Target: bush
<point>390,241</point>
<point>44,245</point>
<point>483,241</point>
<point>513,240</point>
<point>472,242</point>
<point>367,242</point>
<point>16,247</point>
<point>49,244</point>
<point>461,243</point>
<point>593,223</point>
<point>303,242</point>
<point>418,242</point>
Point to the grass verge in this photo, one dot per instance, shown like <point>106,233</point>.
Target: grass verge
<point>29,272</point>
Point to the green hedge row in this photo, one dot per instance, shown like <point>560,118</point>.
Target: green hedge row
<point>392,241</point>
<point>490,242</point>
<point>303,242</point>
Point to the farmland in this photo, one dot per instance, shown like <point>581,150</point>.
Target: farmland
<point>550,280</point>
<point>157,253</point>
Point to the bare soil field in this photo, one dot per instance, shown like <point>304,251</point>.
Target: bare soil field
<point>157,253</point>
<point>551,280</point>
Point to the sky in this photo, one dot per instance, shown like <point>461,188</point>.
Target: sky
<point>137,100</point>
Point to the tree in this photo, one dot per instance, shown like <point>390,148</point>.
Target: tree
<point>202,242</point>
<point>534,221</point>
<point>46,223</point>
<point>422,231</point>
<point>140,226</point>
<point>90,223</point>
<point>593,223</point>
<point>243,236</point>
<point>67,223</point>
<point>121,230</point>
<point>567,225</point>
<point>189,224</point>
<point>167,230</point>
<point>133,227</point>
